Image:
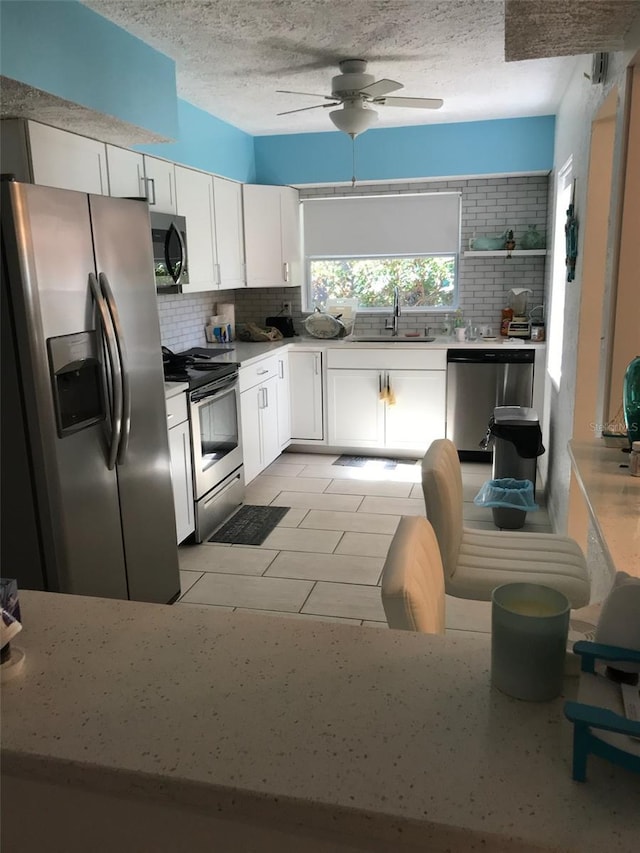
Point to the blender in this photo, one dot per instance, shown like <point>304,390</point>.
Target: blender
<point>519,325</point>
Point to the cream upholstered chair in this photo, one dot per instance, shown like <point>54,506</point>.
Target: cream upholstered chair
<point>477,561</point>
<point>413,579</point>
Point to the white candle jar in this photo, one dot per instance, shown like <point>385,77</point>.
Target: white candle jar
<point>529,629</point>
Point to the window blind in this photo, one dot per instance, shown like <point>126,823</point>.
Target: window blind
<point>427,223</point>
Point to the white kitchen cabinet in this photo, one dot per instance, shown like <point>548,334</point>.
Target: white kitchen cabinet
<point>194,197</point>
<point>358,417</point>
<point>355,413</point>
<point>126,173</point>
<point>181,473</point>
<point>44,155</point>
<point>360,412</point>
<point>161,185</point>
<point>259,419</point>
<point>259,407</point>
<point>284,404</point>
<point>418,416</point>
<point>305,380</point>
<point>272,236</point>
<point>229,231</point>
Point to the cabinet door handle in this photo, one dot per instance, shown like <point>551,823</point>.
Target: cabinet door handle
<point>266,398</point>
<point>262,372</point>
<point>280,368</point>
<point>380,383</point>
<point>151,196</point>
<point>169,417</point>
<point>285,270</point>
<point>316,363</point>
<point>218,277</point>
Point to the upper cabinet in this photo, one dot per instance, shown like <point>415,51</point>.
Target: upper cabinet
<point>41,154</point>
<point>126,173</point>
<point>194,191</point>
<point>272,236</point>
<point>161,185</point>
<point>229,230</point>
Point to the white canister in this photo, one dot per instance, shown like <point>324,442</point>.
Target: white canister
<point>461,334</point>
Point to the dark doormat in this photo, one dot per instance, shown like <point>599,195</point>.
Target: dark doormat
<point>250,525</point>
<point>360,461</point>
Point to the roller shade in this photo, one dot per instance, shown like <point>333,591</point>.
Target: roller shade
<point>428,223</point>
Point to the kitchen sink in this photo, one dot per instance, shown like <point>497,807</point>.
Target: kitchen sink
<point>387,339</point>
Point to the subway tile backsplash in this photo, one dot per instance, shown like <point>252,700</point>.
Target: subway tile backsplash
<point>489,206</point>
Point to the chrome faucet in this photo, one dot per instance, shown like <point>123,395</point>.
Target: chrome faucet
<point>392,324</point>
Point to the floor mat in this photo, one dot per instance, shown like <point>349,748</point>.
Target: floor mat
<point>379,461</point>
<point>250,525</point>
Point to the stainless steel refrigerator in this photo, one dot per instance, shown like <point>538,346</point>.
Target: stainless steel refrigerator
<point>87,504</point>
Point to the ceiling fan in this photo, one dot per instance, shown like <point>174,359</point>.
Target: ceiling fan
<point>356,92</point>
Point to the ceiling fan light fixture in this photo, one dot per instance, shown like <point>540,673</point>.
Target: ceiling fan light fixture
<point>353,118</point>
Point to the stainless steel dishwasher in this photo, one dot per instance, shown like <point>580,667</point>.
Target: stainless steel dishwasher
<point>478,380</point>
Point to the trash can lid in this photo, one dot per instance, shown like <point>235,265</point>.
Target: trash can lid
<point>515,416</point>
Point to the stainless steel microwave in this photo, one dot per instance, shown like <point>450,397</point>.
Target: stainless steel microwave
<point>169,237</point>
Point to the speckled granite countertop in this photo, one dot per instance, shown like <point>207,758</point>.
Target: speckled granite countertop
<point>380,733</point>
<point>612,496</point>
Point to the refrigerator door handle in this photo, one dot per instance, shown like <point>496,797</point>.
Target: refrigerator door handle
<point>125,386</point>
<point>114,369</point>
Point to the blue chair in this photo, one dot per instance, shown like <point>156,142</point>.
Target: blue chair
<point>599,725</point>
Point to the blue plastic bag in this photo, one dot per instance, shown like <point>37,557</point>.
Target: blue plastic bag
<point>508,493</point>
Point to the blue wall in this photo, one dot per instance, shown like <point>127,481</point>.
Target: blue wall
<point>419,151</point>
<point>68,50</point>
<point>208,143</point>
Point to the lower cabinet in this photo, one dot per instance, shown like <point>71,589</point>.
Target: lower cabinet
<point>261,413</point>
<point>284,405</point>
<point>305,381</point>
<point>395,409</point>
<point>181,473</point>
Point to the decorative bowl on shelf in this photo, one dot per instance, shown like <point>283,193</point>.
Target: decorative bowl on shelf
<point>532,238</point>
<point>487,244</point>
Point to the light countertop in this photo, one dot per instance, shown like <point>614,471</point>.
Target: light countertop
<point>612,496</point>
<point>381,734</point>
<point>172,389</point>
<point>245,353</point>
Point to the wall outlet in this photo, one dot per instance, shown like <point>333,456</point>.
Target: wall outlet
<point>286,307</point>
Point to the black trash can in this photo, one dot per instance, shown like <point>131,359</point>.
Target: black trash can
<point>517,443</point>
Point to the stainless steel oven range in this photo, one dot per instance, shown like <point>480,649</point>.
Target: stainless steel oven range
<point>216,443</point>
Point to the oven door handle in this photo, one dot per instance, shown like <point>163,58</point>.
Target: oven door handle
<point>175,271</point>
<point>115,370</point>
<point>224,386</point>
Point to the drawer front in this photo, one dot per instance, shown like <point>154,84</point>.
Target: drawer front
<point>261,371</point>
<point>176,410</point>
<point>388,359</point>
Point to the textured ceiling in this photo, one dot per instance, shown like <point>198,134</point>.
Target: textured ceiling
<point>566,27</point>
<point>231,56</point>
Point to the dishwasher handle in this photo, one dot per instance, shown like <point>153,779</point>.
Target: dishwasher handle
<point>490,356</point>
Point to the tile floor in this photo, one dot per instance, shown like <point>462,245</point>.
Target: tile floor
<point>324,560</point>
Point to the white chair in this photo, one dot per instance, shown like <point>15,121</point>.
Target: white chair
<point>477,561</point>
<point>413,579</point>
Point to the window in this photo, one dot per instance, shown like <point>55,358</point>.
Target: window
<point>364,246</point>
<point>564,187</point>
<point>425,282</point>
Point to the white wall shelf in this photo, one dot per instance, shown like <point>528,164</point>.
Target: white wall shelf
<point>503,253</point>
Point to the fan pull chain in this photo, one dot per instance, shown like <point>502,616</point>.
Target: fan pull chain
<point>353,156</point>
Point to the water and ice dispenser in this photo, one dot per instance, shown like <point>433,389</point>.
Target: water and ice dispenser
<point>76,381</point>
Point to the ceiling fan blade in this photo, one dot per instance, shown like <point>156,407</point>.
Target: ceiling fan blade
<point>302,109</point>
<point>381,87</point>
<point>419,103</point>
<point>309,94</point>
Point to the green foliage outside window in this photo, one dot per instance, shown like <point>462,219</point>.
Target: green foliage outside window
<point>424,282</point>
